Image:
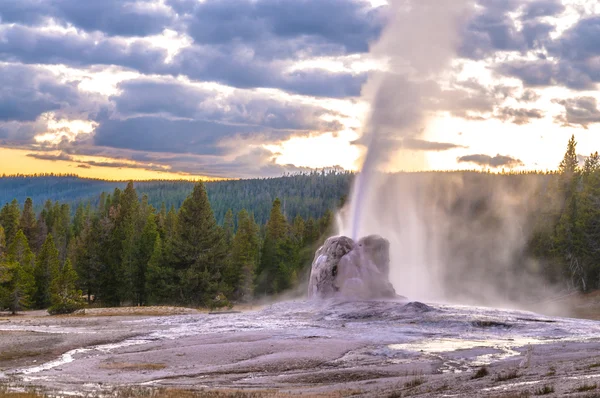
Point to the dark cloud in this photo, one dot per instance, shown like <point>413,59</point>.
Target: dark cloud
<point>49,156</point>
<point>34,46</point>
<point>574,64</point>
<point>542,8</point>
<point>579,43</point>
<point>581,111</point>
<point>84,166</point>
<point>231,65</point>
<point>159,115</point>
<point>423,145</point>
<point>239,67</point>
<point>28,91</point>
<point>470,99</point>
<point>529,96</point>
<point>488,161</point>
<point>113,17</point>
<point>152,133</point>
<point>179,100</point>
<point>493,29</point>
<point>518,115</point>
<point>275,28</point>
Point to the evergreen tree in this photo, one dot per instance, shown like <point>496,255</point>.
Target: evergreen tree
<point>271,258</point>
<point>65,298</point>
<point>160,283</point>
<point>200,249</point>
<point>15,286</point>
<point>19,253</point>
<point>245,253</point>
<point>568,237</point>
<point>61,229</point>
<point>46,270</point>
<point>86,256</point>
<point>41,234</point>
<point>229,227</point>
<point>79,220</point>
<point>2,243</point>
<point>145,252</point>
<point>28,221</point>
<point>569,165</point>
<point>9,219</point>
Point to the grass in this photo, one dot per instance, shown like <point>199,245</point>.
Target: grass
<point>544,390</point>
<point>551,371</point>
<point>586,387</point>
<point>147,392</point>
<point>513,374</point>
<point>133,366</point>
<point>594,365</point>
<point>12,355</point>
<point>481,372</point>
<point>524,394</point>
<point>417,381</point>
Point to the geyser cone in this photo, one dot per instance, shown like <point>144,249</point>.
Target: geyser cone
<point>348,269</point>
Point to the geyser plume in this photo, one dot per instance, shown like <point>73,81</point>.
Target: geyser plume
<point>453,237</point>
<point>419,42</point>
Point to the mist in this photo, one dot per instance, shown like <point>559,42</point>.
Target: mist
<point>454,237</point>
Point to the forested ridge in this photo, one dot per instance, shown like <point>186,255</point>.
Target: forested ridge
<point>120,249</point>
<point>308,194</point>
<point>125,251</point>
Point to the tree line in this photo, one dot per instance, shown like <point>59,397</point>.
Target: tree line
<point>123,251</point>
<point>567,233</point>
<point>305,194</point>
<point>120,249</point>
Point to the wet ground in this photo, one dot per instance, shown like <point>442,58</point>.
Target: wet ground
<point>379,348</point>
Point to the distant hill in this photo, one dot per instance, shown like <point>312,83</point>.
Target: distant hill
<point>308,195</point>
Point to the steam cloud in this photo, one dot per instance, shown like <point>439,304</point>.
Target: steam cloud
<point>453,237</point>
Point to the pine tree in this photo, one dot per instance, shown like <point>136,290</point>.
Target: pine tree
<point>61,229</point>
<point>145,252</point>
<point>568,236</point>
<point>9,219</point>
<point>46,270</point>
<point>2,243</point>
<point>65,298</point>
<point>41,234</point>
<point>229,227</point>
<point>86,256</point>
<point>569,165</point>
<point>160,283</point>
<point>28,221</point>
<point>245,253</point>
<point>79,220</point>
<point>200,249</point>
<point>268,280</point>
<point>16,285</point>
<point>20,252</point>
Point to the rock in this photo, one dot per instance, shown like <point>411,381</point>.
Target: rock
<point>343,268</point>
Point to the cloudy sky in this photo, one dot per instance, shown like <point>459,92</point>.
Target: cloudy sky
<point>245,88</point>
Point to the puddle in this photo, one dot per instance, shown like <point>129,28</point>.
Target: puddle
<point>466,354</point>
<point>511,385</point>
<point>69,356</point>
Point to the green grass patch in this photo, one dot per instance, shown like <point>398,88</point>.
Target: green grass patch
<point>544,390</point>
<point>586,387</point>
<point>481,372</point>
<point>513,374</point>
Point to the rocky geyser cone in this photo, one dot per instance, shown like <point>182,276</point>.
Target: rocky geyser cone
<point>344,268</point>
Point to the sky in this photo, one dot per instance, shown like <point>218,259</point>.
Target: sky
<point>144,89</point>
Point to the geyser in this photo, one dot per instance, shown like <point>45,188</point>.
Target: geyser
<point>348,269</point>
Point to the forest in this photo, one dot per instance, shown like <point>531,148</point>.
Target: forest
<point>306,194</point>
<point>235,241</point>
